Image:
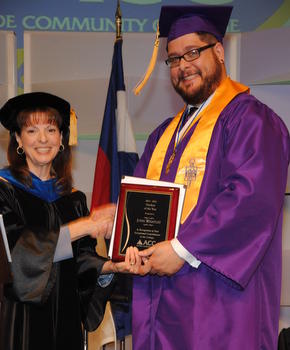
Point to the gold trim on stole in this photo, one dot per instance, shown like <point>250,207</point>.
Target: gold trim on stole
<point>192,163</point>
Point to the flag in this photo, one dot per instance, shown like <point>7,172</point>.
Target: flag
<point>117,154</point>
<point>116,157</point>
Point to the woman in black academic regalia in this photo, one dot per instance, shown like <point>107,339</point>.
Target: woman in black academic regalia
<point>58,279</point>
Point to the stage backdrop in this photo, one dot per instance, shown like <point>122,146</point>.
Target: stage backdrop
<point>138,16</point>
<point>65,47</point>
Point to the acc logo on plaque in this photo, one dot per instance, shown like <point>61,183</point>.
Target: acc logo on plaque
<point>145,243</point>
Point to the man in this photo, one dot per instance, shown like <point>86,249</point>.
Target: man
<point>217,285</point>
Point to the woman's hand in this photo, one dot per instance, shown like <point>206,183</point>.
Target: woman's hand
<point>101,220</point>
<point>98,224</point>
<point>133,264</point>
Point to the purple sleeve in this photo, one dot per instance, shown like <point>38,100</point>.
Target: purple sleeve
<point>242,194</point>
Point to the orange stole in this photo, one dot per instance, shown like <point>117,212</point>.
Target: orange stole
<point>195,153</point>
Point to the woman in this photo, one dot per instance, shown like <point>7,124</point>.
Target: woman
<point>56,285</point>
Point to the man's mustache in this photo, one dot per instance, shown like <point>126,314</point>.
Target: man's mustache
<point>182,75</point>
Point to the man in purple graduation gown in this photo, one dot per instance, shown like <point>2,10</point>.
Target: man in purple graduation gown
<point>217,285</point>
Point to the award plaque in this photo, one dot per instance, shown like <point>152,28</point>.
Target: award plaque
<point>147,214</point>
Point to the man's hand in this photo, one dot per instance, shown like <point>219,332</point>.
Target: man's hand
<point>163,259</point>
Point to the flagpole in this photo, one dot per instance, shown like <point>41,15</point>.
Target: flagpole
<point>118,22</point>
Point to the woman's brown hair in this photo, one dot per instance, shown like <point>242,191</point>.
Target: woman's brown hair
<point>61,165</point>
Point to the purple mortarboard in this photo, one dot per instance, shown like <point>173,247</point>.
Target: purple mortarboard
<point>175,21</point>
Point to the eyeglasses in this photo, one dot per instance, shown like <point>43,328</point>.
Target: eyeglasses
<point>189,56</point>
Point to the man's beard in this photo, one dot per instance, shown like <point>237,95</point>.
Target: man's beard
<point>208,86</point>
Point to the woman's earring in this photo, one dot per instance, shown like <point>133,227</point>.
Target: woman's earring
<point>20,150</point>
<point>61,147</point>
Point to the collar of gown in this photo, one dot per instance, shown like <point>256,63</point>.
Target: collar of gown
<point>45,190</point>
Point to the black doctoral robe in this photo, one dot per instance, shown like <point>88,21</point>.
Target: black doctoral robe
<point>44,306</point>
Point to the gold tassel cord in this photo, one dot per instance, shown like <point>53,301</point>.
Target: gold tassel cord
<point>73,133</point>
<point>151,66</point>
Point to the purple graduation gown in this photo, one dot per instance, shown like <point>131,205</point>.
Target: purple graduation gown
<point>232,300</point>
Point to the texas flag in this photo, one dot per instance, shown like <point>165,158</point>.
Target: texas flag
<point>117,154</point>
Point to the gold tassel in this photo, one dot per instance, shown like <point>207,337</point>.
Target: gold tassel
<point>73,132</point>
<point>151,66</point>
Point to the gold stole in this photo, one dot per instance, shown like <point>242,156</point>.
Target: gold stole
<point>192,163</point>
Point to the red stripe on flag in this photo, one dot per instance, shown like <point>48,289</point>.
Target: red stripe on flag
<point>102,180</point>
